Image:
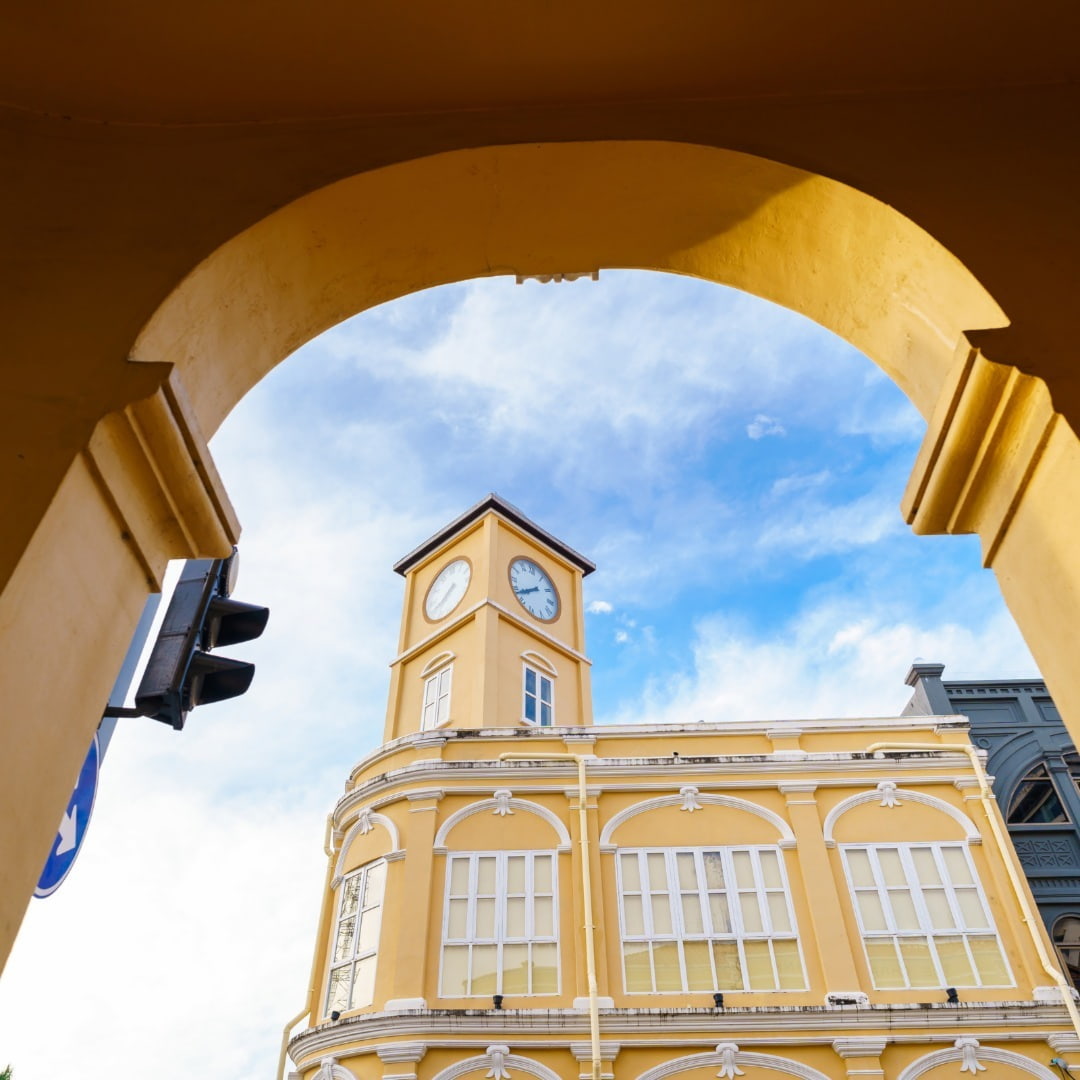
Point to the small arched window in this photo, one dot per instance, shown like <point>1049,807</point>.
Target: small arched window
<point>1036,800</point>
<point>1066,937</point>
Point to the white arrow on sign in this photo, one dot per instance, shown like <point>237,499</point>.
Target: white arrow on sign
<point>68,829</point>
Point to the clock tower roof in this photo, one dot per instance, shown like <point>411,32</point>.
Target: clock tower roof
<point>512,514</point>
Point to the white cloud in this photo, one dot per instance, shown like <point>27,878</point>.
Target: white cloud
<point>621,637</point>
<point>599,607</point>
<point>762,426</point>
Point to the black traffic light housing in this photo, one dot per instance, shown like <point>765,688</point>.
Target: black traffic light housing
<point>181,672</point>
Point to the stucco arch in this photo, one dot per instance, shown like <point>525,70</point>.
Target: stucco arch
<point>714,1059</point>
<point>363,824</point>
<point>786,836</point>
<point>971,833</point>
<point>492,806</point>
<point>757,225</point>
<point>483,1062</point>
<point>986,1055</point>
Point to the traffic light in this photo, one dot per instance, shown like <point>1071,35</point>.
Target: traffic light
<point>182,672</point>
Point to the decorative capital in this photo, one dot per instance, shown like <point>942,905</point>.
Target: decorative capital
<point>728,1051</point>
<point>690,801</point>
<point>364,822</point>
<point>860,1047</point>
<point>398,1052</point>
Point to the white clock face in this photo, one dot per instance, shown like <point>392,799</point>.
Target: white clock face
<point>447,589</point>
<point>534,589</point>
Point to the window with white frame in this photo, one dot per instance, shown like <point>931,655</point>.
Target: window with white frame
<point>539,697</point>
<point>707,919</point>
<point>924,919</point>
<point>436,711</point>
<point>356,939</point>
<point>500,925</point>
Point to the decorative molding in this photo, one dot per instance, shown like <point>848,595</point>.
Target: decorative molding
<point>690,801</point>
<point>329,1069</point>
<point>558,278</point>
<point>582,1051</point>
<point>859,1047</point>
<point>1064,1042</point>
<point>501,806</point>
<point>716,1060</point>
<point>502,799</point>
<point>728,1052</point>
<point>530,656</point>
<point>439,660</point>
<point>987,1053</point>
<point>582,1003</point>
<point>497,1056</point>
<point>436,794</point>
<point>363,825</point>
<point>509,1063</point>
<point>398,1052</point>
<point>887,790</point>
<point>729,801</point>
<point>969,1055</point>
<point>899,794</point>
<point>801,787</point>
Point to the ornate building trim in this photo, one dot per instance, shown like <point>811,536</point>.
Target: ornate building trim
<point>889,793</point>
<point>984,1054</point>
<point>363,825</point>
<point>787,837</point>
<point>728,1058</point>
<point>501,806</point>
<point>507,1062</point>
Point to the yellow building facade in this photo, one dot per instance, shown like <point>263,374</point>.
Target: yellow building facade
<point>514,892</point>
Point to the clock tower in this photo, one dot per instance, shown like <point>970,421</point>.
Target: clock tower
<point>492,630</point>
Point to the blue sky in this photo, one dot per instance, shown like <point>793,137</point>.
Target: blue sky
<point>733,470</point>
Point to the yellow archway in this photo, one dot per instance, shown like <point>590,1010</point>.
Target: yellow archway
<point>997,459</point>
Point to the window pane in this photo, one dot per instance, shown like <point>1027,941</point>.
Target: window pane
<point>873,917</point>
<point>544,916</point>
<point>728,967</point>
<point>337,998</point>
<point>989,962</point>
<point>515,874</point>
<point>661,913</point>
<point>684,862</point>
<point>373,890</point>
<point>918,962</point>
<point>955,964</point>
<point>714,869</point>
<point>485,918</point>
<point>484,969</point>
<point>770,870</point>
<point>351,896</point>
<point>343,947</point>
<point>884,964</point>
<point>744,870</point>
<point>442,712</point>
<point>515,969</point>
<point>859,865</point>
<point>485,876</point>
<point>1036,800</point>
<point>666,966</point>
<point>657,871</point>
<point>459,877</point>
<point>778,912</point>
<point>937,905</point>
<point>789,965</point>
<point>971,910</point>
<point>631,876</point>
<point>759,970</point>
<point>515,917</point>
<point>699,975</point>
<point>545,690</point>
<point>632,917</point>
<point>718,909</point>
<point>956,864</point>
<point>363,992</point>
<point>638,967</point>
<point>545,715</point>
<point>542,873</point>
<point>925,866</point>
<point>751,914</point>
<point>455,971</point>
<point>891,867</point>
<point>530,708</point>
<point>904,910</point>
<point>369,930</point>
<point>545,972</point>
<point>691,913</point>
<point>456,920</point>
<point>530,681</point>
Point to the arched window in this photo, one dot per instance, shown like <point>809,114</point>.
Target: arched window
<point>355,947</point>
<point>1036,800</point>
<point>1066,937</point>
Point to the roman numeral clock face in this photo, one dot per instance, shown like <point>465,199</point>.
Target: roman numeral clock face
<point>534,589</point>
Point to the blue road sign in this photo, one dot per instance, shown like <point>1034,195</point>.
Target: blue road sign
<point>72,829</point>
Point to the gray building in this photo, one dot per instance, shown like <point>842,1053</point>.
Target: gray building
<point>1036,779</point>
